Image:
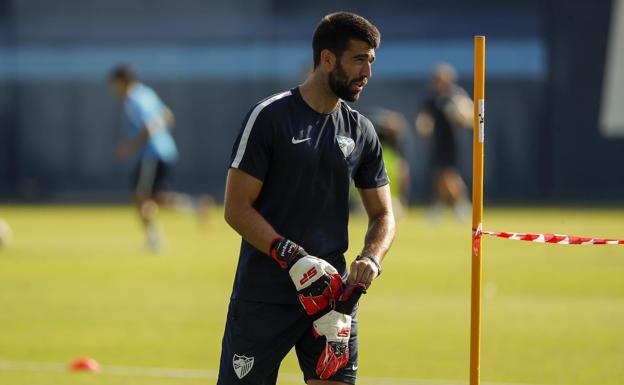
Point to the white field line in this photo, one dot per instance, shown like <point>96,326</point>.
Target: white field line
<point>141,371</point>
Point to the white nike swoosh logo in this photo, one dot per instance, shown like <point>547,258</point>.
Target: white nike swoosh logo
<point>297,141</point>
<point>354,368</point>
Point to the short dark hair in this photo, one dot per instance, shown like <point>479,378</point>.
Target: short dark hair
<point>123,72</point>
<point>336,30</point>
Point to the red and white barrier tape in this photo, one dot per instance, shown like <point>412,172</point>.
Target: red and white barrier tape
<point>553,238</point>
<point>540,238</point>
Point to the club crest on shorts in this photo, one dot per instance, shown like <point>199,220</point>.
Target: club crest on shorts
<point>242,365</point>
<point>346,144</point>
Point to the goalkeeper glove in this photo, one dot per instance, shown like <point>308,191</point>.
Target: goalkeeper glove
<point>317,282</point>
<point>335,326</point>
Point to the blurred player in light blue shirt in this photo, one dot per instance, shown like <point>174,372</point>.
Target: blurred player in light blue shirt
<point>148,119</point>
<point>148,124</point>
<point>145,110</point>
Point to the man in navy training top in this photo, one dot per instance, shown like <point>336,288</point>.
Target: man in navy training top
<point>287,195</point>
<point>149,123</point>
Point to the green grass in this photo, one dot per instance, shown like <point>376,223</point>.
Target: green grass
<point>75,281</point>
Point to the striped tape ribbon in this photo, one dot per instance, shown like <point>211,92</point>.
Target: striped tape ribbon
<point>554,238</point>
<point>540,238</point>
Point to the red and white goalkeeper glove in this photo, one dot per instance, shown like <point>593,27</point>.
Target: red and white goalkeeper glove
<point>335,326</point>
<point>317,282</point>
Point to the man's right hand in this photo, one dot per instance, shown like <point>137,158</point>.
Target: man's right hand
<point>317,282</point>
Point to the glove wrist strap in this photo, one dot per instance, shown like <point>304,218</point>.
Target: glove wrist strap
<point>286,252</point>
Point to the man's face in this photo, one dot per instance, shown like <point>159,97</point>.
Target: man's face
<point>352,71</point>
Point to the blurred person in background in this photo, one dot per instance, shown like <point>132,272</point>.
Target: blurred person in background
<point>447,109</point>
<point>148,124</point>
<point>390,127</point>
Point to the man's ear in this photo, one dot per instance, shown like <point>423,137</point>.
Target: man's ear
<point>328,60</point>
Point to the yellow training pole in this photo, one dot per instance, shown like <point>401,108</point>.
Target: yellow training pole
<point>477,209</point>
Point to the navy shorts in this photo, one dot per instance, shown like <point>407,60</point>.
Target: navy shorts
<point>151,176</point>
<point>259,335</point>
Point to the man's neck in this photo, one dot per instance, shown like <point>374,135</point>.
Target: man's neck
<point>316,93</point>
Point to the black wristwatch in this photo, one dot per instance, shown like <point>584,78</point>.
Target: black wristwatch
<point>372,259</point>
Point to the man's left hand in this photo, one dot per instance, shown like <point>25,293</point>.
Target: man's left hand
<point>363,270</point>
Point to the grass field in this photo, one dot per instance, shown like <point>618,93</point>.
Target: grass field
<point>75,281</point>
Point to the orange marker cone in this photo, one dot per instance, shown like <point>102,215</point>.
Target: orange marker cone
<point>84,364</point>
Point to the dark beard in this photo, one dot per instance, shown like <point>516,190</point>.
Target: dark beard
<point>340,84</point>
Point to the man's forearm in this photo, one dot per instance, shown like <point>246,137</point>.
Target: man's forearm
<point>127,147</point>
<point>252,226</point>
<point>169,118</point>
<point>379,235</point>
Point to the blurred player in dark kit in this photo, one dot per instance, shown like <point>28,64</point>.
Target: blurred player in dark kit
<point>287,195</point>
<point>447,109</point>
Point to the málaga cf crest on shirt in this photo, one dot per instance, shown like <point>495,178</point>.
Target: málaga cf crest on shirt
<point>346,144</point>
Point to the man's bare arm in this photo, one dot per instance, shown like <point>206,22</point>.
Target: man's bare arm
<point>127,147</point>
<point>460,111</point>
<point>241,191</point>
<point>169,118</point>
<point>424,124</point>
<point>379,236</point>
<point>315,292</point>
